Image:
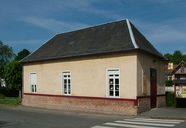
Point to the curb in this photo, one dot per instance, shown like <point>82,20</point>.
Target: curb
<point>163,117</point>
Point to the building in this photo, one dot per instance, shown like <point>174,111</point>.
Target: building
<point>177,73</point>
<point>110,68</point>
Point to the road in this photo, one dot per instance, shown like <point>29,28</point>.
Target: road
<point>42,118</point>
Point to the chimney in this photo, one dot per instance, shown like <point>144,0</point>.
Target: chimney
<point>170,66</point>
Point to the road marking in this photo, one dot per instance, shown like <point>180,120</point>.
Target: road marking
<point>102,127</point>
<point>142,123</point>
<point>130,126</point>
<point>160,120</point>
<point>154,121</point>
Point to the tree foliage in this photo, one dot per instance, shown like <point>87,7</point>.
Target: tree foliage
<point>22,54</point>
<point>13,74</point>
<point>13,71</point>
<point>176,57</point>
<point>6,54</point>
<point>169,83</point>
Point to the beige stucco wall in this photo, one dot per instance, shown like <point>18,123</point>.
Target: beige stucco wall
<point>144,63</point>
<point>88,75</point>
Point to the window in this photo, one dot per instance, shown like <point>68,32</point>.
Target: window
<point>33,82</point>
<point>66,81</point>
<point>113,83</point>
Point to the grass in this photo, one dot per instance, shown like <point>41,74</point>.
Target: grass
<point>12,101</point>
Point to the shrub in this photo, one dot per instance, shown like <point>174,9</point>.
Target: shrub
<point>170,99</point>
<point>2,96</point>
<point>169,83</point>
<point>9,92</point>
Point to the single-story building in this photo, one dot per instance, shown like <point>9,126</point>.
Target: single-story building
<point>109,68</point>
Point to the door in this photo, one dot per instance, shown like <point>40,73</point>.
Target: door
<point>153,87</point>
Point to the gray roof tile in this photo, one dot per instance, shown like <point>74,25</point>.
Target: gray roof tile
<point>106,38</point>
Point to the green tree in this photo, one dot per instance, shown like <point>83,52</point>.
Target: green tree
<point>6,54</point>
<point>184,57</point>
<point>22,54</point>
<point>176,57</point>
<point>13,75</point>
<point>168,56</point>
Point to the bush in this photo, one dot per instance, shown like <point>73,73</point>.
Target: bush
<point>3,91</point>
<point>9,92</point>
<point>2,96</point>
<point>169,83</point>
<point>170,99</point>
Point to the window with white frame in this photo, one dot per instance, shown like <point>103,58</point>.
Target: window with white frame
<point>33,82</point>
<point>66,81</point>
<point>113,82</point>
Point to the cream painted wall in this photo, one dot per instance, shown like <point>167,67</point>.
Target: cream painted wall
<point>144,63</point>
<point>88,75</point>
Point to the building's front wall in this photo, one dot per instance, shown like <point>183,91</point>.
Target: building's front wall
<point>145,63</point>
<point>88,79</point>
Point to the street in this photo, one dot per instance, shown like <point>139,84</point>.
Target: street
<point>41,118</point>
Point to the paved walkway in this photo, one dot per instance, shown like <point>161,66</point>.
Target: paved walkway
<point>166,113</point>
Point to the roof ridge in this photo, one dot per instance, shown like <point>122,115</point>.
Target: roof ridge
<point>131,34</point>
<point>89,27</point>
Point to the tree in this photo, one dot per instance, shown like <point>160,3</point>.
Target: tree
<point>22,54</point>
<point>176,57</point>
<point>13,75</point>
<point>6,54</point>
<point>168,56</point>
<point>184,57</point>
<point>13,72</point>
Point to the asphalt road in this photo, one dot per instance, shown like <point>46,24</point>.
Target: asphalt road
<point>40,118</point>
<point>23,117</point>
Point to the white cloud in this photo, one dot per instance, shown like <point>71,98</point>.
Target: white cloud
<point>90,6</point>
<point>161,1</point>
<point>163,32</point>
<point>31,44</point>
<point>168,35</point>
<point>54,25</point>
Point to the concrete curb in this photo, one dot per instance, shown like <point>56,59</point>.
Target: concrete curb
<point>165,113</point>
<point>163,117</point>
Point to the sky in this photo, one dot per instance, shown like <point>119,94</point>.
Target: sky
<point>30,23</point>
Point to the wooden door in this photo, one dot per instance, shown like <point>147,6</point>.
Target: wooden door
<point>153,87</point>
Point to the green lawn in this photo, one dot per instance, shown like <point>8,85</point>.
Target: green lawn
<point>10,101</point>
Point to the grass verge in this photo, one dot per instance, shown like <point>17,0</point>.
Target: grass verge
<point>12,101</point>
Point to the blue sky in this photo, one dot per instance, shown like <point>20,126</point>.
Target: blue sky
<point>30,23</point>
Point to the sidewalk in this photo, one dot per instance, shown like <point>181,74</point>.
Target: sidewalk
<point>166,113</point>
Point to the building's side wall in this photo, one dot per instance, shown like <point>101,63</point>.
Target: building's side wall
<point>144,63</point>
<point>88,79</point>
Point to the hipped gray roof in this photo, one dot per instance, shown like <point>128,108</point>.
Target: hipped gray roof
<point>119,36</point>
